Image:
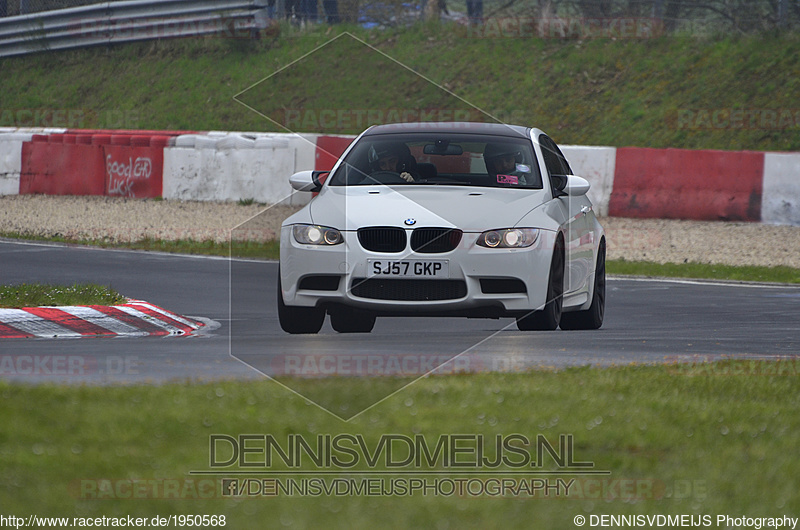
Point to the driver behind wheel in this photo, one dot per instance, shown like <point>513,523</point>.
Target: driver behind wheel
<point>395,158</point>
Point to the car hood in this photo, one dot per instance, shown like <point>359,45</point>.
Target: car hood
<point>469,208</point>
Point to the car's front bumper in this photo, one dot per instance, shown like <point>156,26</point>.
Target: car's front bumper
<point>481,282</point>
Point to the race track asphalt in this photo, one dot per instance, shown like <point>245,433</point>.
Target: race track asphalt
<point>647,321</point>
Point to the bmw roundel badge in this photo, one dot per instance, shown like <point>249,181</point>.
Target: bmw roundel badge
<point>410,222</point>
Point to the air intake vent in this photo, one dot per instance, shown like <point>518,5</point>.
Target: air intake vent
<point>502,286</point>
<point>319,283</point>
<point>408,290</point>
<point>382,238</point>
<point>435,240</point>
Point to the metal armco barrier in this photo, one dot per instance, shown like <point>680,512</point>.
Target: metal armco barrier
<point>128,21</point>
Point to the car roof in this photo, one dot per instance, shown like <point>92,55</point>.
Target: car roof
<point>492,129</point>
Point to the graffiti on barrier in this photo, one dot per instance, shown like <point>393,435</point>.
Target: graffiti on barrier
<point>122,176</point>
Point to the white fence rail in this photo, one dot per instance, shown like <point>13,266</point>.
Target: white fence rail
<point>128,21</point>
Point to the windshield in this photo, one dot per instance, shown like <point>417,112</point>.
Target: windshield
<point>440,159</point>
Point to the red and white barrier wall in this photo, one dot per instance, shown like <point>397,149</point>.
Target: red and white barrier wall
<point>83,162</point>
<point>228,166</point>
<point>215,165</point>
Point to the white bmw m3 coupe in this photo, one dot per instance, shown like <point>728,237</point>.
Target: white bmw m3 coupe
<point>443,219</point>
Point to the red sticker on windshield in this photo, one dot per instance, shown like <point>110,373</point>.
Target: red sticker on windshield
<point>507,179</point>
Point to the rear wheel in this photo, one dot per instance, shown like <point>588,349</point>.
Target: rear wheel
<point>591,318</point>
<point>296,320</point>
<point>548,318</point>
<point>352,320</point>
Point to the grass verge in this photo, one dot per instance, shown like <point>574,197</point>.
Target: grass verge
<point>728,92</point>
<point>37,294</point>
<point>236,249</point>
<point>677,439</point>
<point>705,271</point>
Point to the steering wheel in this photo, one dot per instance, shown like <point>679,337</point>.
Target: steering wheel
<point>385,177</point>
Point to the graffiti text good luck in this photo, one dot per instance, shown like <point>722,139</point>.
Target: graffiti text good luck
<point>123,175</point>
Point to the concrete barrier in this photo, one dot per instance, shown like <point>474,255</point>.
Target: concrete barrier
<point>93,163</point>
<point>212,166</point>
<point>134,168</point>
<point>780,202</point>
<point>595,164</point>
<point>11,160</point>
<point>229,166</point>
<point>55,168</point>
<point>684,184</point>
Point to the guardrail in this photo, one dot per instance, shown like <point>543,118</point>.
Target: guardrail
<point>128,21</point>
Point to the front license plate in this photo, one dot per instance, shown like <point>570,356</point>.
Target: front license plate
<point>408,268</point>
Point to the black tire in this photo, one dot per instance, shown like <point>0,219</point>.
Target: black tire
<point>591,318</point>
<point>548,318</point>
<point>352,320</point>
<point>297,320</point>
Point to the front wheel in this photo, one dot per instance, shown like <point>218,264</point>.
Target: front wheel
<point>591,318</point>
<point>548,318</point>
<point>296,320</point>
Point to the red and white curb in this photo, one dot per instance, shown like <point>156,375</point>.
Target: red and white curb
<point>134,319</point>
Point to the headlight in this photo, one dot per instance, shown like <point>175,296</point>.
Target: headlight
<point>316,235</point>
<point>509,238</point>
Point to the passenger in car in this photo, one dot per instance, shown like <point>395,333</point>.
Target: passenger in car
<point>503,162</point>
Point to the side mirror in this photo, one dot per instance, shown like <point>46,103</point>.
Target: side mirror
<point>571,185</point>
<point>307,180</point>
<point>576,186</point>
